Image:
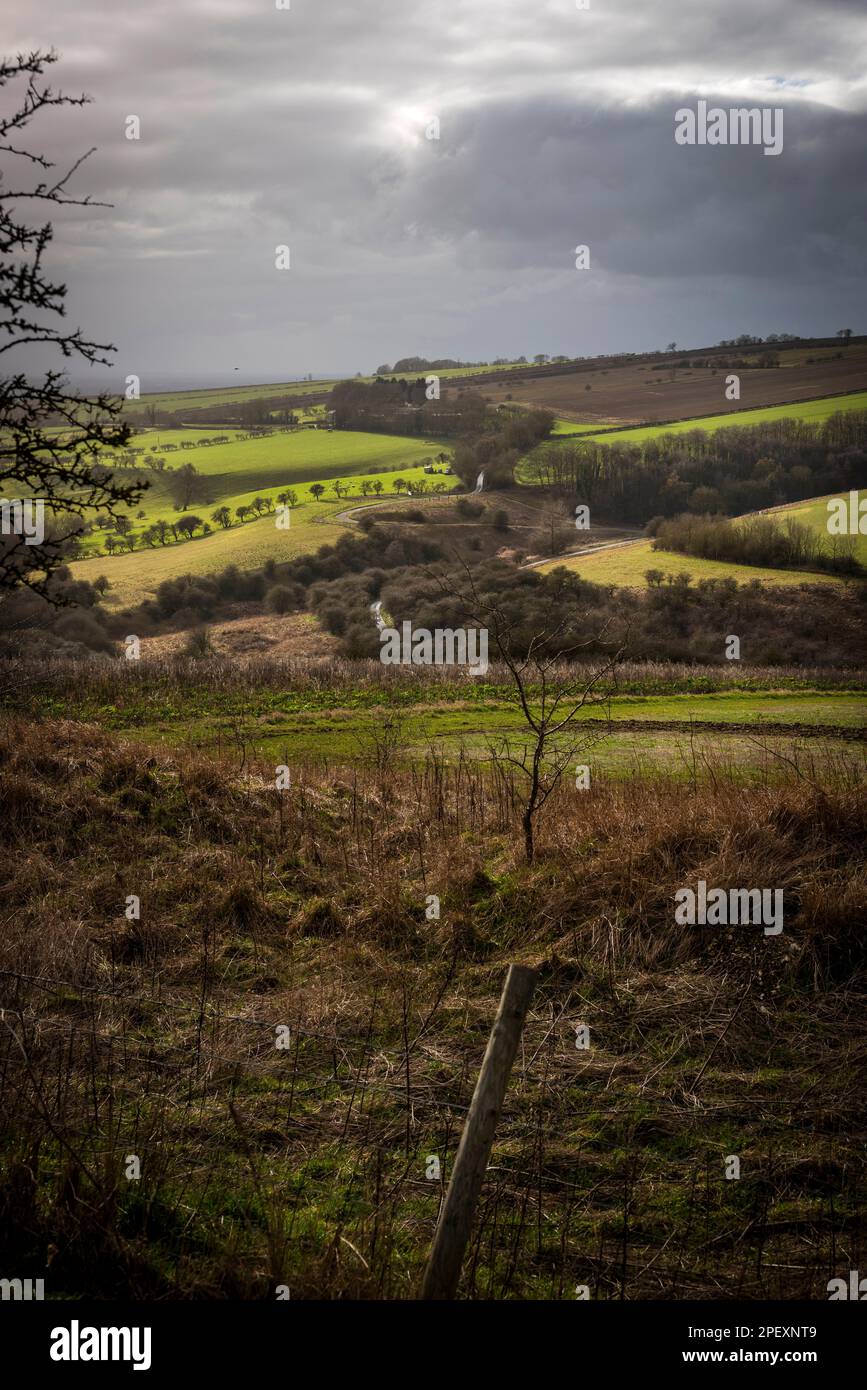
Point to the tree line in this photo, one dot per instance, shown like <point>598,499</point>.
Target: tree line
<point>403,407</point>
<point>757,540</point>
<point>734,470</point>
<point>674,618</point>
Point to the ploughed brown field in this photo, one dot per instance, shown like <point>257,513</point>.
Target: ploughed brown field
<point>641,393</point>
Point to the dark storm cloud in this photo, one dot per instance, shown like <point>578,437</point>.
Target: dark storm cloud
<point>526,181</point>
<point>557,127</point>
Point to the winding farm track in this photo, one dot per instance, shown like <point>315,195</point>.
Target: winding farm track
<point>348,515</point>
<point>625,539</point>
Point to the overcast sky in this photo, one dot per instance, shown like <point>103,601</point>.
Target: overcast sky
<point>307,127</point>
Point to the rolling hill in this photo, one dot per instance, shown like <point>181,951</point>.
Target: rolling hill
<point>626,563</point>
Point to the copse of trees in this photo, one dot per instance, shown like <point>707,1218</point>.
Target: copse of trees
<point>734,470</point>
<point>202,595</point>
<point>497,451</point>
<point>402,407</point>
<point>759,540</point>
<point>189,524</point>
<point>65,620</point>
<point>381,547</point>
<point>672,619</point>
<point>405,365</point>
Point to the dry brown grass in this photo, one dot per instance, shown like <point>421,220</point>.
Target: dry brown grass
<point>307,908</point>
<point>25,683</point>
<point>251,635</point>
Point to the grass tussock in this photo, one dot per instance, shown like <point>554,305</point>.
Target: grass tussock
<point>151,1032</point>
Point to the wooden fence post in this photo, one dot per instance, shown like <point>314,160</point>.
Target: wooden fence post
<point>456,1218</point>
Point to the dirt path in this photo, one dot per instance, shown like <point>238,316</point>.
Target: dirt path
<point>626,538</point>
<point>348,515</point>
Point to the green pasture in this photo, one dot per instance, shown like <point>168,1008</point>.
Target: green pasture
<point>485,710</point>
<point>232,475</point>
<point>563,427</point>
<point>347,732</point>
<point>135,575</point>
<point>222,395</point>
<point>814,513</point>
<point>812,411</point>
<point>201,399</point>
<point>446,373</point>
<point>299,456</point>
<point>626,565</point>
<point>158,503</point>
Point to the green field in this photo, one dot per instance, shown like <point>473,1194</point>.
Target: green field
<point>814,513</point>
<point>626,565</point>
<point>134,576</point>
<point>156,439</point>
<point>446,373</point>
<point>236,472</point>
<point>221,395</point>
<point>202,399</point>
<point>811,411</point>
<point>814,411</point>
<point>748,730</point>
<point>296,457</point>
<point>157,502</point>
<point>290,729</point>
<point>564,427</point>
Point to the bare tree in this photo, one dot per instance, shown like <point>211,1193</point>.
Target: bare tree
<point>552,687</point>
<point>35,455</point>
<point>554,533</point>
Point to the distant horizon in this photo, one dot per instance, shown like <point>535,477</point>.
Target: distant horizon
<point>162,383</point>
